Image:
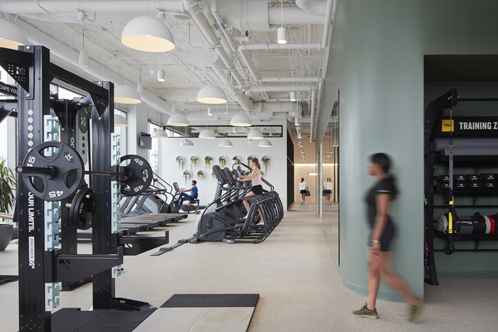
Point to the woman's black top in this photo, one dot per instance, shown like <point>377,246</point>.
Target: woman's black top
<point>384,186</point>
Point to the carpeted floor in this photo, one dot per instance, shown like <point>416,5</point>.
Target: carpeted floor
<point>294,273</point>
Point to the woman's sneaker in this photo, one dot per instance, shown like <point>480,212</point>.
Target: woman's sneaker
<point>416,312</point>
<point>365,312</point>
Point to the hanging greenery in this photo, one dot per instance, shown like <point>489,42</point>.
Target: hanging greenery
<point>266,162</point>
<point>7,186</point>
<point>201,174</point>
<point>207,161</point>
<point>237,159</point>
<point>181,162</point>
<point>193,162</point>
<point>249,159</point>
<point>186,175</point>
<point>213,175</point>
<point>223,161</point>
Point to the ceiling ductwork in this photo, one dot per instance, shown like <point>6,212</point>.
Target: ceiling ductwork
<point>313,7</point>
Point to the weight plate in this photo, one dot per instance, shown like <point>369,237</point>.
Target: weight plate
<point>82,209</point>
<point>492,230</point>
<point>488,224</point>
<point>138,175</point>
<point>66,181</point>
<point>442,223</point>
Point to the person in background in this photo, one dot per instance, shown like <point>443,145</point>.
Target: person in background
<point>191,196</point>
<point>302,189</point>
<point>379,254</point>
<point>255,178</point>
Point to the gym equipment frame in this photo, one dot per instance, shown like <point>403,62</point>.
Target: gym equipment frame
<point>41,264</point>
<point>451,227</point>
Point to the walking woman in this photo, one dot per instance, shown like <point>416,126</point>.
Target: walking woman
<point>302,189</point>
<point>382,232</point>
<point>255,178</point>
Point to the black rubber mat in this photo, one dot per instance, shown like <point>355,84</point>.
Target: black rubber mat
<point>74,320</point>
<point>211,300</point>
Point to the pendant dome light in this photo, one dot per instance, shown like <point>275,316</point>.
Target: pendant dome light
<point>240,120</point>
<point>281,32</point>
<point>147,34</point>
<point>125,94</point>
<point>159,133</point>
<point>11,36</point>
<point>207,134</point>
<point>226,143</point>
<point>264,143</point>
<point>187,144</point>
<point>255,134</point>
<point>178,120</point>
<point>120,121</point>
<point>211,95</point>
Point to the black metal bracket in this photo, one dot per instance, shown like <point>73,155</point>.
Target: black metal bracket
<point>135,245</point>
<point>70,268</point>
<point>434,113</point>
<point>17,64</point>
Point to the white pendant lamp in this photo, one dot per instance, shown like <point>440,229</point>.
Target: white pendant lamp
<point>125,94</point>
<point>161,76</point>
<point>83,60</point>
<point>207,134</point>
<point>140,89</point>
<point>120,121</point>
<point>299,135</point>
<point>226,143</point>
<point>281,35</point>
<point>159,133</point>
<point>211,95</point>
<point>255,134</point>
<point>240,120</point>
<point>11,36</point>
<point>293,96</point>
<point>210,111</point>
<point>264,143</point>
<point>297,121</point>
<point>178,120</point>
<point>187,144</point>
<point>147,34</point>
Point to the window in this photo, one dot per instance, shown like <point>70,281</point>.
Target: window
<point>122,131</point>
<point>154,152</point>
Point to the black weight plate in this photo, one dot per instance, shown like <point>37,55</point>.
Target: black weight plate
<point>82,209</point>
<point>70,171</point>
<point>138,175</point>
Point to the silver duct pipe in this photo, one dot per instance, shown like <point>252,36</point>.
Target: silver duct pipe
<point>291,80</point>
<point>328,23</point>
<point>280,88</point>
<point>313,7</point>
<point>292,15</point>
<point>73,7</point>
<point>280,47</point>
<point>96,70</point>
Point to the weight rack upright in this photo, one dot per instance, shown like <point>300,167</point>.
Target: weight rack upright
<point>40,266</point>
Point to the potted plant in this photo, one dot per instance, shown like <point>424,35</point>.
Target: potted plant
<point>180,161</point>
<point>201,174</point>
<point>266,162</point>
<point>213,175</point>
<point>186,175</point>
<point>223,161</point>
<point>237,159</point>
<point>193,162</point>
<point>7,201</point>
<point>249,159</point>
<point>207,161</point>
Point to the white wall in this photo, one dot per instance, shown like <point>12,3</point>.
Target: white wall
<point>170,148</point>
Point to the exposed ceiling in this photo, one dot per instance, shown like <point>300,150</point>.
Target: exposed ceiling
<point>186,68</point>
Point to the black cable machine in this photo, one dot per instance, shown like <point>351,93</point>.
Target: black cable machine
<point>45,180</point>
<point>462,142</point>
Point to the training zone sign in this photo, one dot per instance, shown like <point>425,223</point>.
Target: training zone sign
<point>470,126</point>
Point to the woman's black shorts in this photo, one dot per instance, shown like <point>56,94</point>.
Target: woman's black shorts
<point>386,238</point>
<point>257,190</point>
<point>303,191</point>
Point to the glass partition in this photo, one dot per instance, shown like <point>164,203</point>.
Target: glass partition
<point>330,177</point>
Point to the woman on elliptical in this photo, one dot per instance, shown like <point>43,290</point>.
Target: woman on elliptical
<point>255,178</point>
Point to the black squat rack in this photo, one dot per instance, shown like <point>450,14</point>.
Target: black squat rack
<point>465,144</point>
<point>48,229</point>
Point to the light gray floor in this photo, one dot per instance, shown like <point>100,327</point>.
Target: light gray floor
<point>295,275</point>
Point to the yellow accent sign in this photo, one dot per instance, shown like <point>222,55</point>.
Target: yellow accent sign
<point>447,126</point>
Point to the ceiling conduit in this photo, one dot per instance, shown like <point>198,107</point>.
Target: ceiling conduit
<point>282,88</point>
<point>291,80</point>
<point>95,69</point>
